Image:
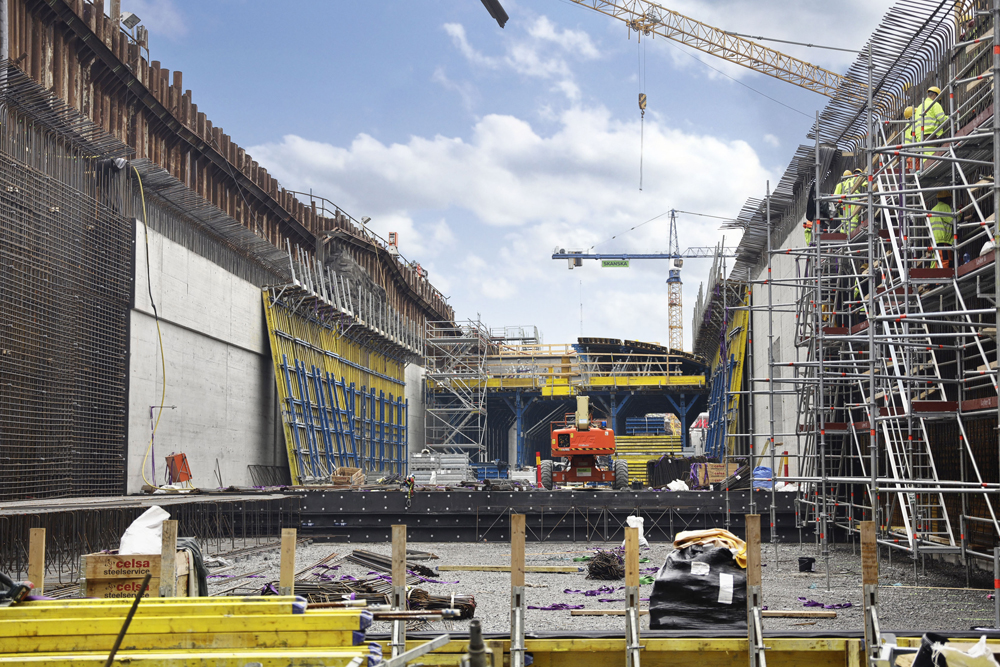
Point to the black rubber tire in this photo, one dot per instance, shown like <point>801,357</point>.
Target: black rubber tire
<point>621,475</point>
<point>546,474</point>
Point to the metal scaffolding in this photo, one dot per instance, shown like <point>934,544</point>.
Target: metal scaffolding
<point>455,413</point>
<point>887,312</point>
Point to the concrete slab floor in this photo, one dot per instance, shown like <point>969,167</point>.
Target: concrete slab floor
<point>901,607</point>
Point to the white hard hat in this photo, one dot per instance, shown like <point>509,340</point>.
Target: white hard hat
<point>987,247</point>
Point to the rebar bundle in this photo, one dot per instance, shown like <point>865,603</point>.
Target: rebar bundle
<point>464,603</point>
<point>384,563</point>
<point>606,565</point>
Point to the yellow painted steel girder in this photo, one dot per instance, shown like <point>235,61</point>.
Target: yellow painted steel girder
<point>649,18</point>
<point>648,381</point>
<point>663,652</point>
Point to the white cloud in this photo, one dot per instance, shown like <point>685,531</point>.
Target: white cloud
<point>485,213</point>
<point>545,53</point>
<point>160,17</point>
<point>575,41</point>
<point>772,140</point>
<point>509,175</point>
<point>457,33</point>
<point>466,91</point>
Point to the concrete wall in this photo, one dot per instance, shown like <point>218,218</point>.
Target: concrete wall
<point>218,369</point>
<point>416,436</point>
<point>783,268</point>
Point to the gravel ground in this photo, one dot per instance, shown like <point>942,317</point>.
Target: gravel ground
<point>900,607</point>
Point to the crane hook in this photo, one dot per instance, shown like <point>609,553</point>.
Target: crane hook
<point>642,103</point>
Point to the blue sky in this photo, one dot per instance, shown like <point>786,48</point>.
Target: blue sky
<point>487,148</point>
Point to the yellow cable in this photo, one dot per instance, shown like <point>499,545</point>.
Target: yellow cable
<point>159,336</point>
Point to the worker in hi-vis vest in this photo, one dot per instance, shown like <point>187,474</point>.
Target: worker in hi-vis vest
<point>942,224</point>
<point>909,134</point>
<point>858,187</point>
<point>931,118</point>
<point>842,189</point>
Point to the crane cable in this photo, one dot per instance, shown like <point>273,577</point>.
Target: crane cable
<point>656,217</point>
<point>640,54</point>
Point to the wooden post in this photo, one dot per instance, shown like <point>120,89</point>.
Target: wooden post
<point>632,597</point>
<point>517,550</point>
<point>36,559</point>
<point>753,549</point>
<point>517,602</point>
<point>168,560</point>
<point>869,553</point>
<point>755,636</point>
<point>631,556</point>
<point>286,579</point>
<point>869,585</point>
<point>399,555</point>
<point>398,598</point>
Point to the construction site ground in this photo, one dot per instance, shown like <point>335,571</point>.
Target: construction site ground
<point>936,600</point>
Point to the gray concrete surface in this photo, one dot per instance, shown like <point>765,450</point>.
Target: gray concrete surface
<point>902,608</point>
<point>218,369</point>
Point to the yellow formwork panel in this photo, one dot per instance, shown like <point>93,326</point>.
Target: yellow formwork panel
<point>738,346</point>
<point>361,372</point>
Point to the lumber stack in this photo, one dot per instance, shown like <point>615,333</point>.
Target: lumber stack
<point>182,631</point>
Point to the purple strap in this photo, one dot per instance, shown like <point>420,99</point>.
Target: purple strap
<point>558,606</point>
<point>813,603</point>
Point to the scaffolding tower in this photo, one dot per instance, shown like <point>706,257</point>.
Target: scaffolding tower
<point>891,357</point>
<point>456,375</point>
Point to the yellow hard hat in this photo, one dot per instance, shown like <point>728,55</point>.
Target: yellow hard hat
<point>858,170</point>
<point>934,89</point>
<point>847,172</point>
<point>908,113</point>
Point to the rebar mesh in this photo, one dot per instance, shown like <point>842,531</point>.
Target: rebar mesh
<point>65,290</point>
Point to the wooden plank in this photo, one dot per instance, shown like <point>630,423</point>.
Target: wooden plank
<point>36,559</point>
<point>552,569</point>
<point>286,579</point>
<point>869,553</point>
<point>798,613</point>
<point>125,589</point>
<point>113,566</point>
<point>517,568</point>
<point>753,549</point>
<point>631,556</point>
<point>603,612</point>
<point>974,404</point>
<point>168,560</point>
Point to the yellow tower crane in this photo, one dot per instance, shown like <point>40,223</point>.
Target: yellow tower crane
<point>650,19</point>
